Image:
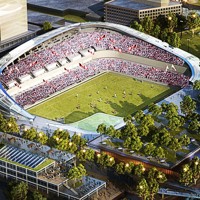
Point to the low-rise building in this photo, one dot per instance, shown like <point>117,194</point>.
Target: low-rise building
<point>125,11</point>
<point>44,173</point>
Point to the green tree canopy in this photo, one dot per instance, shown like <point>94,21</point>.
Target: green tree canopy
<point>19,191</point>
<point>196,85</point>
<point>47,26</point>
<point>147,24</point>
<point>30,134</point>
<point>188,106</point>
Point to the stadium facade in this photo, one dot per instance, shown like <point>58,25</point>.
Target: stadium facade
<point>126,11</point>
<point>8,104</point>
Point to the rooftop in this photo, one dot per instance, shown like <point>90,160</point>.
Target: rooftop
<point>135,5</point>
<point>22,158</point>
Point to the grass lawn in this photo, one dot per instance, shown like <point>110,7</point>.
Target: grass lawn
<point>193,43</point>
<point>98,96</point>
<point>74,18</point>
<point>197,3</point>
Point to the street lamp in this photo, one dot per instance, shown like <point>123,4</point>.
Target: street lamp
<point>111,159</point>
<point>40,134</point>
<point>185,169</point>
<point>70,144</point>
<point>127,165</point>
<point>181,21</point>
<point>84,150</point>
<point>188,42</point>
<point>98,155</point>
<point>57,139</point>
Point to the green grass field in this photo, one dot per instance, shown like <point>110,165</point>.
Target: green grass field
<point>98,96</point>
<point>193,45</point>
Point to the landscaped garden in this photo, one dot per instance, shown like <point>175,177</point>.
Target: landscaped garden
<point>161,135</point>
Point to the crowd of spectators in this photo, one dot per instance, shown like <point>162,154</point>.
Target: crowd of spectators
<point>99,39</point>
<point>85,71</point>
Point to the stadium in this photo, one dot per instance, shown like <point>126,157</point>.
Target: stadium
<point>73,59</point>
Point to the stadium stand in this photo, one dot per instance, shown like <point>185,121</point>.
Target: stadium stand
<point>80,42</point>
<point>78,74</point>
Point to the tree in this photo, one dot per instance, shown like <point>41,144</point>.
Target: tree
<point>137,26</point>
<point>195,167</point>
<point>186,176</point>
<point>136,144</point>
<point>101,129</point>
<point>175,145</point>
<point>187,106</point>
<point>173,39</point>
<point>196,85</point>
<point>147,24</point>
<point>130,130</point>
<point>41,138</point>
<point>118,134</point>
<point>90,153</point>
<point>153,187</point>
<point>176,122</point>
<point>70,146</point>
<point>78,140</point>
<point>19,191</point>
<point>38,196</point>
<point>119,168</point>
<point>143,130</point>
<point>59,139</point>
<point>110,131</point>
<point>194,125</point>
<point>139,116</point>
<point>164,107</point>
<point>159,153</point>
<point>184,140</point>
<point>159,176</point>
<point>171,110</point>
<point>164,35</point>
<point>147,121</point>
<point>127,142</point>
<point>155,137</point>
<point>105,160</point>
<point>47,26</point>
<point>171,20</point>
<point>76,172</point>
<point>142,189</point>
<point>165,137</point>
<point>127,118</point>
<point>139,170</point>
<point>156,31</point>
<point>193,21</point>
<point>155,109</point>
<point>86,154</point>
<point>30,134</point>
<point>129,167</point>
<point>12,126</point>
<point>149,149</point>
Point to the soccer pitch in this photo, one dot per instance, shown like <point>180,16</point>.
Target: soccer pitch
<point>109,93</point>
